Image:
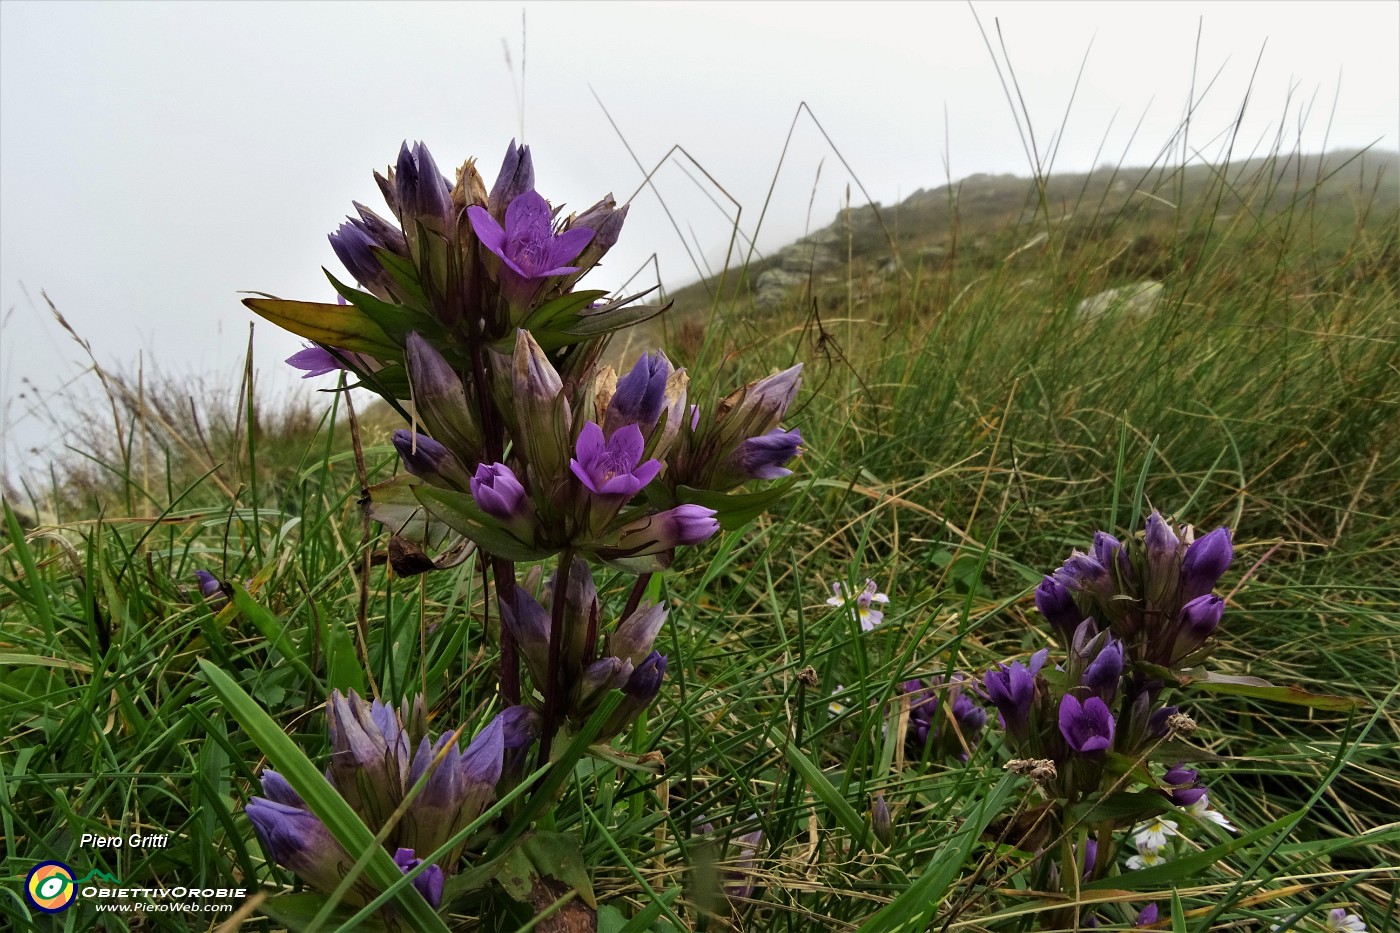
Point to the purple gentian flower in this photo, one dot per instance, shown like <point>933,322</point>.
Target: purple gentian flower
<point>296,839</point>
<point>315,361</point>
<point>1091,857</point>
<point>209,585</point>
<point>613,468</point>
<point>353,247</point>
<point>763,457</point>
<point>428,882</point>
<point>1147,916</point>
<point>1087,727</point>
<point>1012,690</point>
<point>1084,574</point>
<point>1205,562</point>
<point>527,246</point>
<point>1181,777</point>
<point>1201,616</point>
<point>370,755</point>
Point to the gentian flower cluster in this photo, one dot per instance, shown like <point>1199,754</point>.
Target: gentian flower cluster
<point>944,720</point>
<point>378,755</point>
<point>462,311</point>
<point>1131,617</point>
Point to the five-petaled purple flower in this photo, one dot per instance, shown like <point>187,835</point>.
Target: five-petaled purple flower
<point>527,245</point>
<point>1012,690</point>
<point>1087,727</point>
<point>612,467</point>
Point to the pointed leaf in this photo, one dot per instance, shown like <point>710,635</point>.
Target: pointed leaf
<point>736,509</point>
<point>334,325</point>
<point>393,504</point>
<point>558,855</point>
<point>460,512</point>
<point>1233,685</point>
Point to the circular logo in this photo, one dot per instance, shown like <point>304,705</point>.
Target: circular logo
<point>50,887</point>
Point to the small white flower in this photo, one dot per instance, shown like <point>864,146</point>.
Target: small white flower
<point>868,617</point>
<point>1282,922</point>
<point>1340,921</point>
<point>1146,858</point>
<point>834,708</point>
<point>1153,834</point>
<point>1201,810</point>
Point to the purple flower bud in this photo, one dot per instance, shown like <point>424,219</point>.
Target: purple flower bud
<point>1162,542</point>
<point>428,460</point>
<point>1105,548</point>
<point>634,637</point>
<point>605,219</point>
<point>441,398</point>
<point>645,682</point>
<point>528,623</point>
<point>352,247</point>
<point>516,177</point>
<point>880,822</point>
<point>1205,562</point>
<point>1157,722</point>
<point>499,494</point>
<point>1199,620</point>
<point>520,727</point>
<point>209,585</point>
<point>380,231</point>
<point>612,468</point>
<point>1056,604</point>
<point>540,407</point>
<point>757,408</point>
<point>1186,796</point>
<point>684,525</point>
<point>640,395</point>
<point>1012,690</point>
<point>595,681</point>
<point>763,457</point>
<point>1084,574</point>
<point>428,883</point>
<point>423,194</point>
<point>1102,674</point>
<point>295,839</point>
<point>370,756</point>
<point>1181,777</point>
<point>1087,727</point>
<point>1147,916</point>
<point>1091,857</point>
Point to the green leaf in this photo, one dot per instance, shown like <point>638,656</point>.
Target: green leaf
<point>1136,806</point>
<point>272,628</point>
<point>1235,685</point>
<point>912,908</point>
<point>343,669</point>
<point>595,325</point>
<point>517,875</point>
<point>296,911</point>
<point>565,306</point>
<point>736,509</point>
<point>320,797</point>
<point>334,325</point>
<point>841,808</point>
<point>395,320</point>
<point>404,274</point>
<point>395,506</point>
<point>558,855</point>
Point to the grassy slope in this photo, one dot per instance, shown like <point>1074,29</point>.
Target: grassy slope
<point>964,430</point>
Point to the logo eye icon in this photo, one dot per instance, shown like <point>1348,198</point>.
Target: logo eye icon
<point>50,887</point>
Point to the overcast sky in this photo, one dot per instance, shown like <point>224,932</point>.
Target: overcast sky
<point>157,158</point>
